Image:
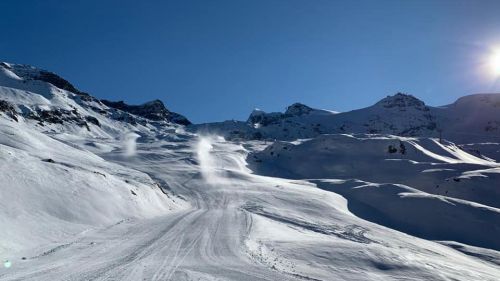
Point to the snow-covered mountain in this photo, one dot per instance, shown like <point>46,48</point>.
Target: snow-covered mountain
<point>470,119</point>
<point>43,97</point>
<point>100,190</point>
<point>42,117</point>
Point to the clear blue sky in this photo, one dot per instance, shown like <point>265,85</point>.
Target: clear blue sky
<point>217,60</point>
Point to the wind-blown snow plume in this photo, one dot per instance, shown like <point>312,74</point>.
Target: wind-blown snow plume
<point>207,162</point>
<point>219,166</point>
<point>129,144</point>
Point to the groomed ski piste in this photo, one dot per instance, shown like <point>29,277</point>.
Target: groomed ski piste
<point>151,202</point>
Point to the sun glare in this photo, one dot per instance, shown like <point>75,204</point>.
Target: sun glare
<point>495,63</point>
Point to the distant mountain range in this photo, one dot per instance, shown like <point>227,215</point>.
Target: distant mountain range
<point>471,118</point>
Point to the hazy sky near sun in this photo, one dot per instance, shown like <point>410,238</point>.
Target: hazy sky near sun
<point>217,60</point>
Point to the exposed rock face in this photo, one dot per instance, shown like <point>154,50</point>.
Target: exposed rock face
<point>93,120</point>
<point>55,80</point>
<point>9,109</point>
<point>402,101</point>
<point>153,110</point>
<point>298,109</point>
<point>31,79</point>
<point>61,116</point>
<point>261,118</point>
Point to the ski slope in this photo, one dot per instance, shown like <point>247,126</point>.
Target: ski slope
<point>100,191</point>
<point>240,226</point>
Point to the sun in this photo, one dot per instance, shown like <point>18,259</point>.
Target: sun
<point>495,62</point>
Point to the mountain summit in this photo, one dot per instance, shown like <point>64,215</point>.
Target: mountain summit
<point>470,118</point>
<point>154,110</point>
<point>50,100</point>
<point>298,109</point>
<point>402,101</point>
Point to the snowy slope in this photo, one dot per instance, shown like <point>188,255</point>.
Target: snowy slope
<point>96,190</point>
<point>474,117</point>
<point>243,226</point>
<point>420,186</point>
<point>51,190</point>
<point>43,172</point>
<point>425,164</point>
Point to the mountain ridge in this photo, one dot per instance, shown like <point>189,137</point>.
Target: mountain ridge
<point>470,118</point>
<point>53,87</point>
<point>399,114</point>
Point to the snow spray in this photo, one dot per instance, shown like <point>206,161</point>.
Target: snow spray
<point>130,144</point>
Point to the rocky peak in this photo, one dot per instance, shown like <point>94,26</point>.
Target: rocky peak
<point>155,107</point>
<point>402,101</point>
<point>28,72</point>
<point>298,109</point>
<point>154,110</point>
<point>262,118</point>
<point>256,113</point>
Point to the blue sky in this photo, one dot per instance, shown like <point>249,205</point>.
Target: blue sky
<point>217,60</point>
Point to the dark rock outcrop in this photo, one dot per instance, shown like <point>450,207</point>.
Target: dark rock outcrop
<point>264,119</point>
<point>153,110</point>
<point>402,101</point>
<point>9,109</point>
<point>61,116</point>
<point>298,109</point>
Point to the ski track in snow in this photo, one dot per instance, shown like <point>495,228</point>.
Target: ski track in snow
<point>242,226</point>
<point>165,248</point>
<point>94,193</point>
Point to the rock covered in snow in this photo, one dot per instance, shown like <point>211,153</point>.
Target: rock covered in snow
<point>298,109</point>
<point>8,109</point>
<point>44,97</point>
<point>471,118</point>
<point>154,110</point>
<point>260,118</point>
<point>402,101</point>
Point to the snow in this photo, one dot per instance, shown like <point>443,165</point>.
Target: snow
<point>46,177</point>
<point>243,226</point>
<point>155,201</point>
<point>129,143</point>
<point>367,158</point>
<point>472,118</point>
